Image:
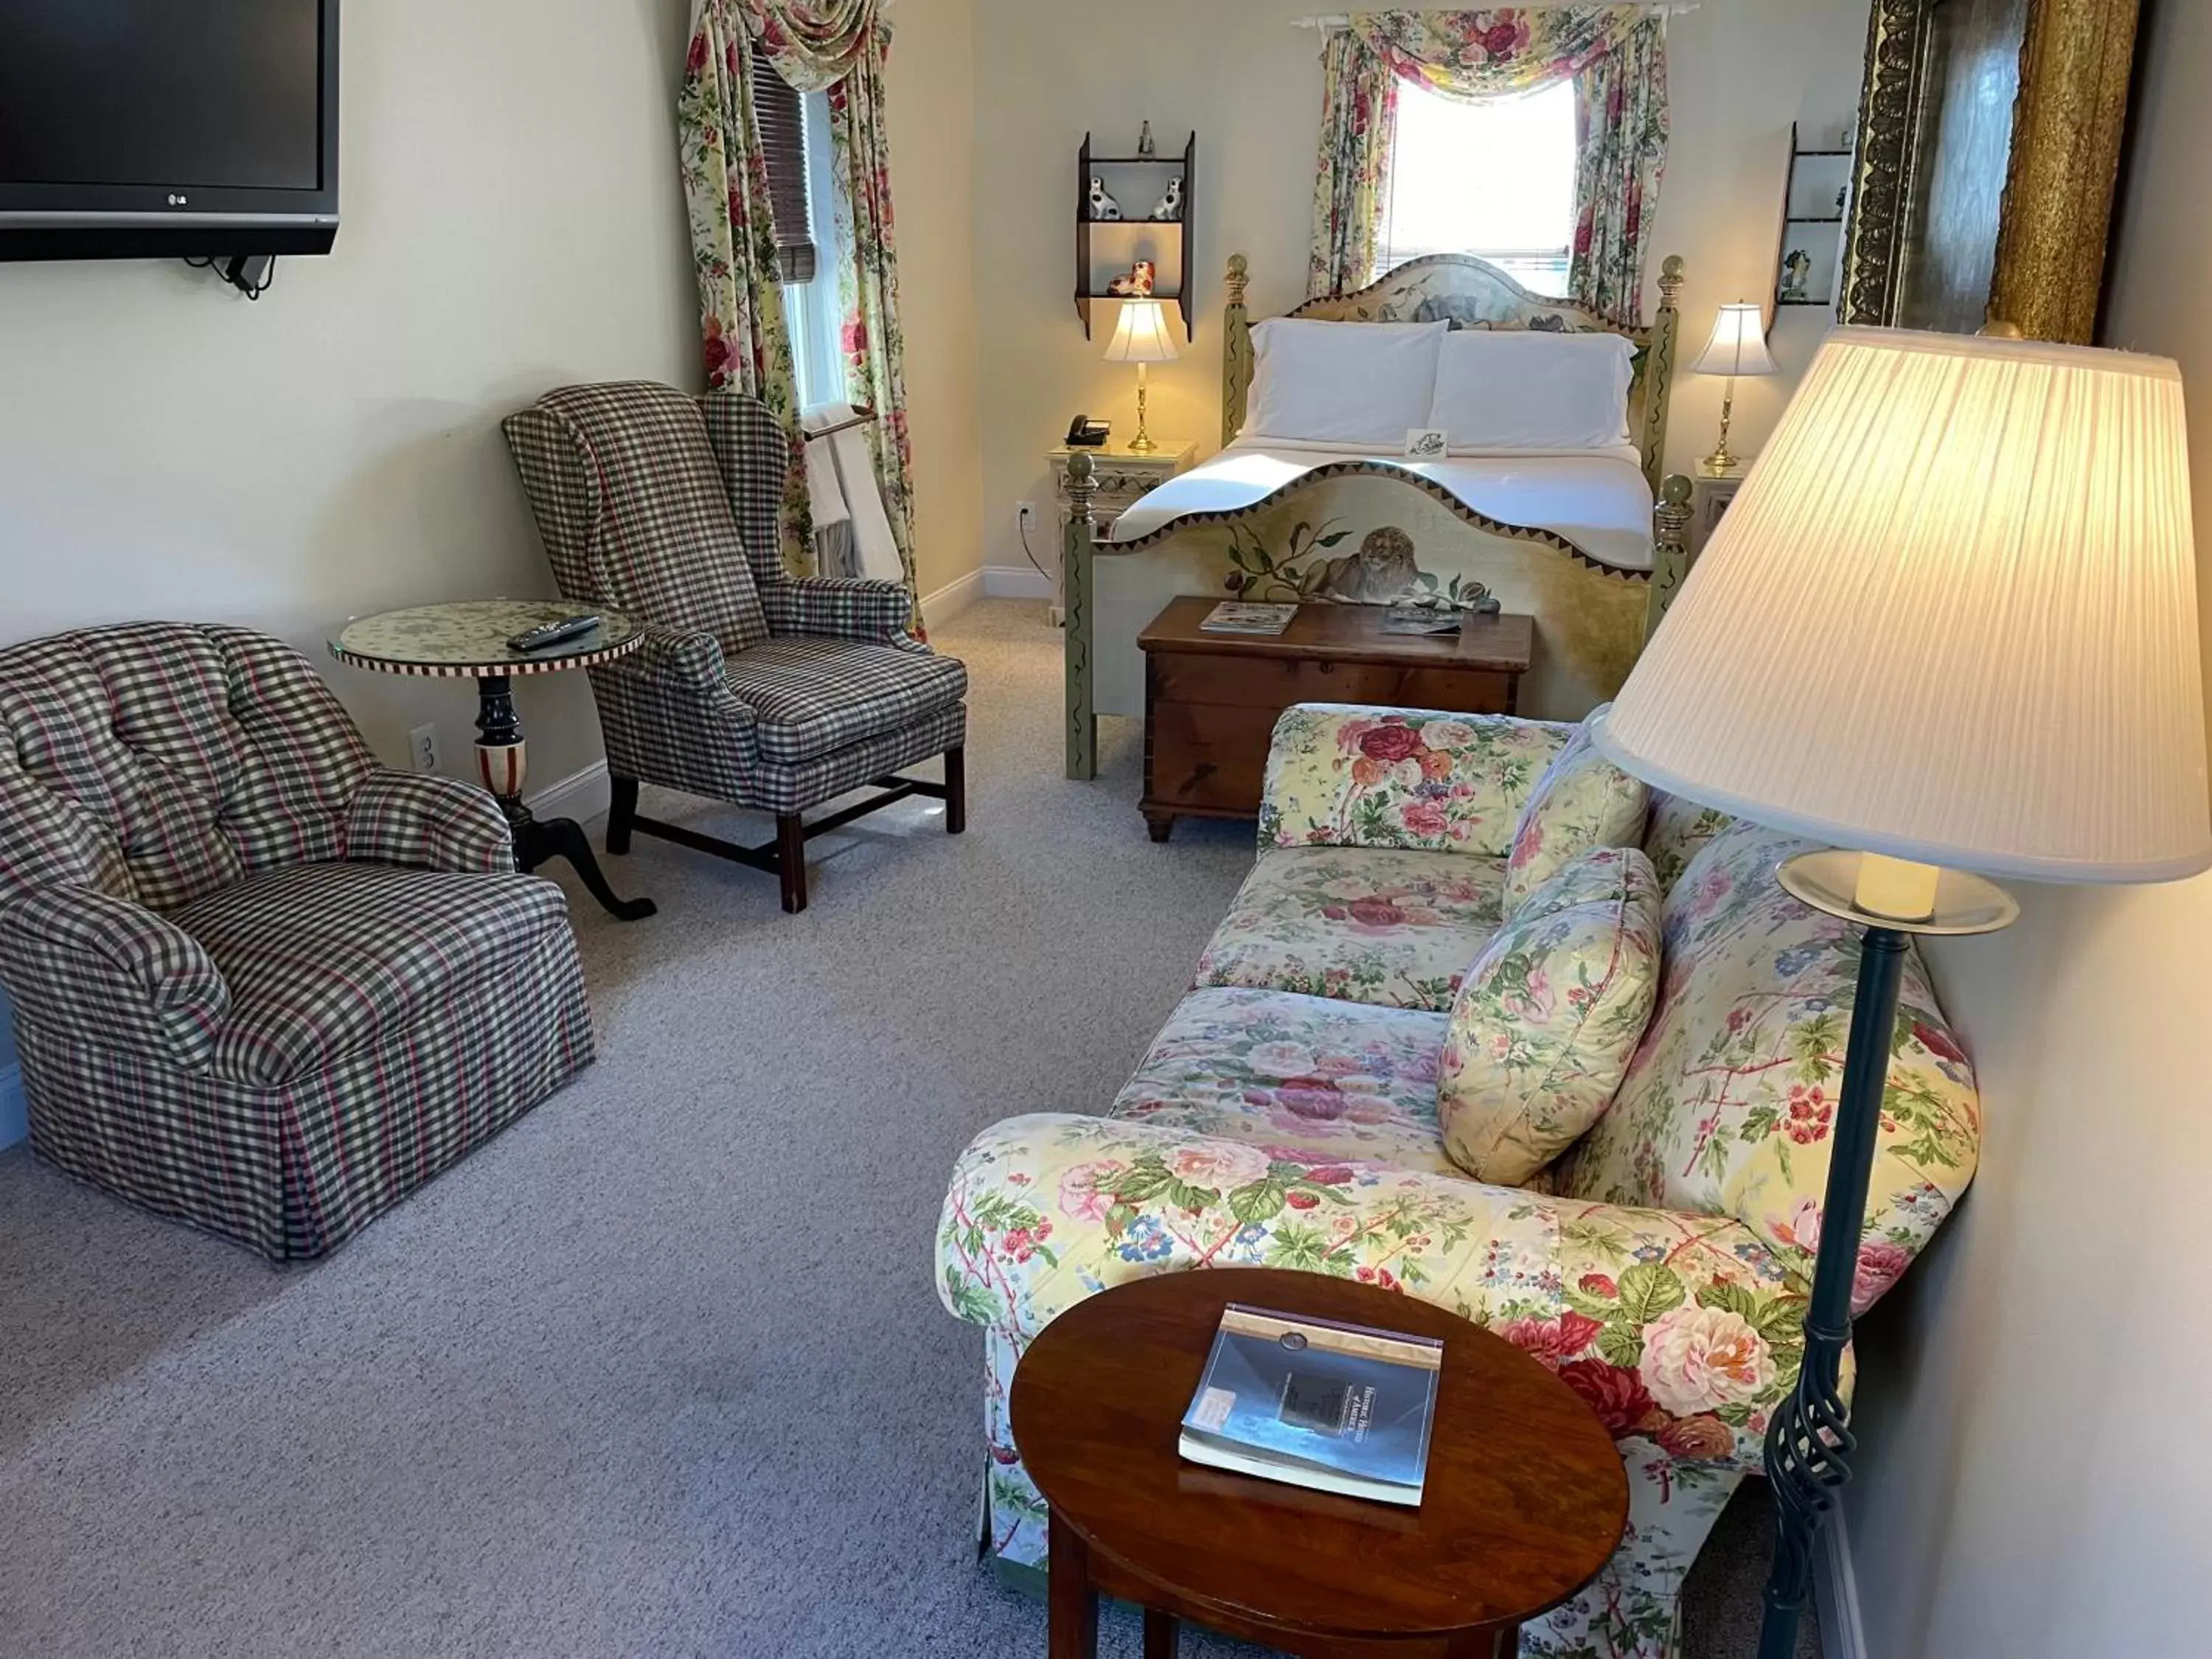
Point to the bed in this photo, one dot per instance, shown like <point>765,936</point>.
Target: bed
<point>1586,535</point>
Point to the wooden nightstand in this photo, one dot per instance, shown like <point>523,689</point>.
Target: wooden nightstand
<point>1211,700</point>
<point>1121,477</point>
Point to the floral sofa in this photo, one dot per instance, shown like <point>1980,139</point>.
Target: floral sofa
<point>1659,1266</point>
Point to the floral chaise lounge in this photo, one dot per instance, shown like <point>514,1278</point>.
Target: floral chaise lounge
<point>1658,1266</point>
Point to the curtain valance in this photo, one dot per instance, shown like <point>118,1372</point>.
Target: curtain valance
<point>1485,54</point>
<point>1616,56</point>
<point>815,43</point>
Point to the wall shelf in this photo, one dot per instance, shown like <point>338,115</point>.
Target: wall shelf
<point>1176,232</point>
<point>1815,199</point>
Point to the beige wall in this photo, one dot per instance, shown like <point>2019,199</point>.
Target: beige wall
<point>1742,71</point>
<point>932,93</point>
<point>512,221</point>
<point>2035,1483</point>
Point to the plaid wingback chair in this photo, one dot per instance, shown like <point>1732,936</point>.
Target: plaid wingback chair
<point>262,984</point>
<point>754,687</point>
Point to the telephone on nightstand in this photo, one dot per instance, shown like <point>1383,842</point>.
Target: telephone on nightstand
<point>1083,433</point>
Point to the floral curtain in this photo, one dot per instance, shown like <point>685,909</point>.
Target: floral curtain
<point>1359,109</point>
<point>1616,55</point>
<point>734,242</point>
<point>1620,145</point>
<point>842,45</point>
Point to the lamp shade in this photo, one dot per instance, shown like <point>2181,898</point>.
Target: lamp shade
<point>1950,616</point>
<point>1141,336</point>
<point>1738,345</point>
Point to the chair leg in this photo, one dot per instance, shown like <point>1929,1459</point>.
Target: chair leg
<point>956,790</point>
<point>622,813</point>
<point>791,860</point>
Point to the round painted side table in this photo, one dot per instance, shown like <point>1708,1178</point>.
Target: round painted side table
<point>468,639</point>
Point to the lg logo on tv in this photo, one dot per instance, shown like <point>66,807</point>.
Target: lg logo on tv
<point>179,201</point>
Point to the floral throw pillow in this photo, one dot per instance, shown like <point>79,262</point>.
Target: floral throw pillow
<point>1342,775</point>
<point>1547,1020</point>
<point>1677,833</point>
<point>1582,800</point>
<point>1729,1106</point>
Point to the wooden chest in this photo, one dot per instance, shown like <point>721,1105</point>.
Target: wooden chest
<point>1210,700</point>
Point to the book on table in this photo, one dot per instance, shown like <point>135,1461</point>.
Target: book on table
<point>1341,1408</point>
<point>1238,616</point>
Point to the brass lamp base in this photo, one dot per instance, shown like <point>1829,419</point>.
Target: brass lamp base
<point>1142,444</point>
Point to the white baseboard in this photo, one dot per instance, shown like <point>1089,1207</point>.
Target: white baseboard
<point>1836,1594</point>
<point>1015,582</point>
<point>950,600</point>
<point>580,795</point>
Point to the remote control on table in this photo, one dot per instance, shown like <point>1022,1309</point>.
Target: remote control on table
<point>553,633</point>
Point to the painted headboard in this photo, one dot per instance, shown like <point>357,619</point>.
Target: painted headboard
<point>1471,293</point>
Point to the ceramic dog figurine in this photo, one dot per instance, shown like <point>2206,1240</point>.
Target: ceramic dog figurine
<point>1102,204</point>
<point>1170,206</point>
<point>1137,285</point>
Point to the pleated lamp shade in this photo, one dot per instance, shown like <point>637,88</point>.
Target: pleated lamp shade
<point>1141,335</point>
<point>1950,616</point>
<point>1738,343</point>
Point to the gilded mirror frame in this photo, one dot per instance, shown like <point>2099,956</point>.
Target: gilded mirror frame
<point>2068,122</point>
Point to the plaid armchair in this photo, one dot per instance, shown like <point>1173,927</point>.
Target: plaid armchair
<point>754,688</point>
<point>261,984</point>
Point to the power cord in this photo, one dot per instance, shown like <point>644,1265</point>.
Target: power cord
<point>239,270</point>
<point>1022,528</point>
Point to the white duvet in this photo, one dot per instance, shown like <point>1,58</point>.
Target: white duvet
<point>1597,498</point>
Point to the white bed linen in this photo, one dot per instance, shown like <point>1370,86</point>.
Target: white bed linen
<point>1597,498</point>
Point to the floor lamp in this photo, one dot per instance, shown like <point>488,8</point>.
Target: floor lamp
<point>1948,624</point>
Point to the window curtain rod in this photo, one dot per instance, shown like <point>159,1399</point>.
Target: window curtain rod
<point>1332,21</point>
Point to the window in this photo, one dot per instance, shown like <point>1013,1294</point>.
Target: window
<point>1495,178</point>
<point>795,140</point>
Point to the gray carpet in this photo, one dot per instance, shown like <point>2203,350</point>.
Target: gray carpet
<point>660,1371</point>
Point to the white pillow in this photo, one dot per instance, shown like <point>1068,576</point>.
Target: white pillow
<point>1362,385</point>
<point>1524,389</point>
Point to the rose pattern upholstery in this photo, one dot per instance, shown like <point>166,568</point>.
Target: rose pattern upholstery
<point>1660,1266</point>
<point>1306,1079</point>
<point>1729,1106</point>
<point>1363,924</point>
<point>1343,776</point>
<point>1384,834</point>
<point>1539,1035</point>
<point>1582,800</point>
<point>1676,832</point>
<point>1680,1331</point>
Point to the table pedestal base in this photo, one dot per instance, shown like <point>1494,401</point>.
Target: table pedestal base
<point>1077,1576</point>
<point>501,762</point>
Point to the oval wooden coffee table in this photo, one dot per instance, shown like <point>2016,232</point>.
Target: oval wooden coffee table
<point>1525,1498</point>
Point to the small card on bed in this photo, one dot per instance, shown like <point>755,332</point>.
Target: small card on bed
<point>1232,617</point>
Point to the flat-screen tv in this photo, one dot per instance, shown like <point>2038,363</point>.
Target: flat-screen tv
<point>140,129</point>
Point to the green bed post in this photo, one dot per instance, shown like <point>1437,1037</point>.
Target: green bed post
<point>1670,547</point>
<point>1236,352</point>
<point>1077,547</point>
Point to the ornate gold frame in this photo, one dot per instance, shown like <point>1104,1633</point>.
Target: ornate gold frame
<point>2077,61</point>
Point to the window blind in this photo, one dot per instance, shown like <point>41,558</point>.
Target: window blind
<point>782,116</point>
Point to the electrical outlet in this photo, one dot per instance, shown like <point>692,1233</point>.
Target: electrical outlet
<point>1024,517</point>
<point>423,748</point>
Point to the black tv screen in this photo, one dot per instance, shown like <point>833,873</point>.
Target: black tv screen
<point>145,125</point>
